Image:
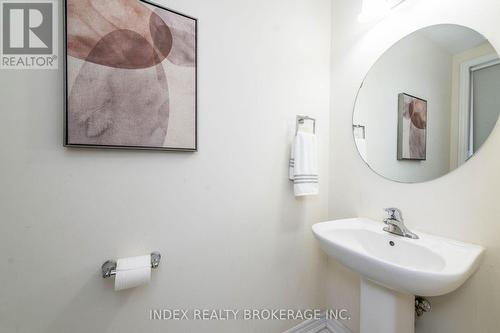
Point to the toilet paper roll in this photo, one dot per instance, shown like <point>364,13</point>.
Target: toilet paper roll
<point>132,272</point>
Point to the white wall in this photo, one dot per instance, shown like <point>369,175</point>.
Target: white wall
<point>462,205</point>
<point>231,233</point>
<point>419,67</point>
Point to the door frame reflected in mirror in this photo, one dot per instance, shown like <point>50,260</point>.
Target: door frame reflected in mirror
<point>466,106</point>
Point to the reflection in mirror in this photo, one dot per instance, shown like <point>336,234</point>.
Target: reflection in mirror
<point>428,104</point>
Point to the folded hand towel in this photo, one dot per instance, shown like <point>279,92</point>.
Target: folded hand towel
<point>304,164</point>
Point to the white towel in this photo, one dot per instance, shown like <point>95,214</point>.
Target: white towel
<point>303,169</point>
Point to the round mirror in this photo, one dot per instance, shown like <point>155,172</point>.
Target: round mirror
<point>428,103</point>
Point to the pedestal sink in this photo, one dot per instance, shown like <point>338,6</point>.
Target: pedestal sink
<point>394,269</point>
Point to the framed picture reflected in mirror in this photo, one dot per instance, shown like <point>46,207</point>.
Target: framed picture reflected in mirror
<point>412,128</point>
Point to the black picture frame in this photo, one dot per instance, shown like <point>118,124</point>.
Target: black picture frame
<point>114,147</point>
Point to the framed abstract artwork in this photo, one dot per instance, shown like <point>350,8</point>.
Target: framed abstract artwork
<point>412,128</point>
<point>131,76</point>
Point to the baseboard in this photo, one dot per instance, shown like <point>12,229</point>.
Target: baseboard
<point>320,325</point>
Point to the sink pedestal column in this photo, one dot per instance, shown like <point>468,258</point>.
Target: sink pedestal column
<point>386,311</point>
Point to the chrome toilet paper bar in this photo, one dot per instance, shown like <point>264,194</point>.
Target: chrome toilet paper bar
<point>109,267</point>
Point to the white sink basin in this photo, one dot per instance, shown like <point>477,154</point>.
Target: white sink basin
<point>429,266</point>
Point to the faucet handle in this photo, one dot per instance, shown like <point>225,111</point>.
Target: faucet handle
<point>394,213</point>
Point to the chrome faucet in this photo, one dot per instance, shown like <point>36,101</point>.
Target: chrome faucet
<point>395,224</point>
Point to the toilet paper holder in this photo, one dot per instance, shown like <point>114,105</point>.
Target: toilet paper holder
<point>109,267</point>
